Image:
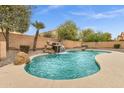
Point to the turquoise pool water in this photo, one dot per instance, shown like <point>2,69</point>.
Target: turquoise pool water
<point>63,66</point>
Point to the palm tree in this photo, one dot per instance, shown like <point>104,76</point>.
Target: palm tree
<point>38,26</point>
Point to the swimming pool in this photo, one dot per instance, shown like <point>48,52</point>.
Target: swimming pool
<point>64,66</point>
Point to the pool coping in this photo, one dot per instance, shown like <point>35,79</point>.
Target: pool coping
<point>107,61</point>
<point>31,57</point>
<point>41,54</point>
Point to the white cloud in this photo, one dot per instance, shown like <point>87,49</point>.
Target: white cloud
<point>109,14</point>
<point>79,13</point>
<point>51,7</point>
<point>102,15</point>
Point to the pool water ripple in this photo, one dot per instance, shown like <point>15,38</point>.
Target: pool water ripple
<point>68,65</point>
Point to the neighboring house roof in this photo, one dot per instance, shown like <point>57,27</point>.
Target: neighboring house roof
<point>51,31</point>
<point>121,37</point>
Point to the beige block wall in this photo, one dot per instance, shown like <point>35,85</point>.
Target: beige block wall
<point>104,44</point>
<point>17,39</point>
<point>2,50</point>
<point>71,44</point>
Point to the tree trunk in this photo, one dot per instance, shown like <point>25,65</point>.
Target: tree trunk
<point>7,39</point>
<point>6,36</point>
<point>3,33</point>
<point>35,40</point>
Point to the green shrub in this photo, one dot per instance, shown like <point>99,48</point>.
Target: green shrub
<point>89,35</point>
<point>116,46</point>
<point>67,31</point>
<point>24,48</point>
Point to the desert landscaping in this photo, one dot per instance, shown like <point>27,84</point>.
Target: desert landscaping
<point>66,57</point>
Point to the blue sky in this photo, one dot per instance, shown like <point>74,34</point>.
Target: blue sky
<point>107,18</point>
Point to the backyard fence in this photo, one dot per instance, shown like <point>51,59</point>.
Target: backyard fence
<point>109,44</point>
<point>2,50</point>
<point>15,40</point>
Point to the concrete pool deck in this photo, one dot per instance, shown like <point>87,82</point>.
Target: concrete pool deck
<point>111,74</point>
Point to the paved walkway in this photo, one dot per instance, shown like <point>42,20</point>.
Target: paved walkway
<point>118,50</point>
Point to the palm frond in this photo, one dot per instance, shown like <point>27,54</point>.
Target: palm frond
<point>38,25</point>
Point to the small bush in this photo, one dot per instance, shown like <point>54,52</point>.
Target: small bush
<point>116,46</point>
<point>24,48</point>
